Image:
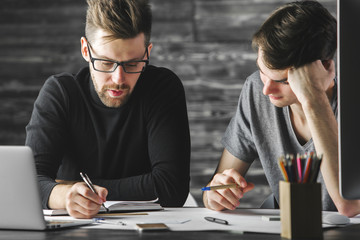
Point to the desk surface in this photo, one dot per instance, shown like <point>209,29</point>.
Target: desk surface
<point>244,219</point>
<point>346,233</point>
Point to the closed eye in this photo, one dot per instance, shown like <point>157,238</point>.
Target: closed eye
<point>283,81</point>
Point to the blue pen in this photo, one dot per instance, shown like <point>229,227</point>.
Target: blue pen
<point>219,187</point>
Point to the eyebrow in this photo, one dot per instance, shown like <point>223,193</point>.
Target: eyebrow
<point>278,81</point>
<point>113,60</point>
<point>101,57</point>
<point>109,59</point>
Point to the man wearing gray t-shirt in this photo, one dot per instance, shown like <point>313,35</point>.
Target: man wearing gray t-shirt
<point>288,106</point>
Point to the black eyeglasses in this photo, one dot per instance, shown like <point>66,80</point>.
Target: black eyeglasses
<point>109,66</point>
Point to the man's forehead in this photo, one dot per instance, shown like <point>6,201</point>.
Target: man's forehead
<point>274,74</point>
<point>102,37</point>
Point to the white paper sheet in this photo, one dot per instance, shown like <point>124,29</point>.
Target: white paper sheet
<point>192,219</point>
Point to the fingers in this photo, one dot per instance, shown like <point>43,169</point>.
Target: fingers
<point>227,198</point>
<point>330,67</point>
<point>81,202</point>
<point>236,176</point>
<point>218,201</point>
<point>101,192</point>
<point>309,81</point>
<point>250,186</point>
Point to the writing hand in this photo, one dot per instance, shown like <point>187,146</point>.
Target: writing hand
<point>82,202</point>
<point>227,198</point>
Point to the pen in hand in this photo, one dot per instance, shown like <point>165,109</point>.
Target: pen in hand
<point>90,185</point>
<point>219,187</point>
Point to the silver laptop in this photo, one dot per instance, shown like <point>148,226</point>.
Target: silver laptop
<point>20,203</point>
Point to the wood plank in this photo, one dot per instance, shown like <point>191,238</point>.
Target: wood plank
<point>231,20</point>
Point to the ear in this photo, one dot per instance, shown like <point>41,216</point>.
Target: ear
<point>149,48</point>
<point>326,63</point>
<point>84,49</point>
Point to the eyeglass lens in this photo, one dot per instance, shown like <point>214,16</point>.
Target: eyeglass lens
<point>109,66</point>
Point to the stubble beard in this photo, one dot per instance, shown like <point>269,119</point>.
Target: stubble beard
<point>110,101</point>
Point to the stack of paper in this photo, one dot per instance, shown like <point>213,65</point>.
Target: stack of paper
<point>115,206</point>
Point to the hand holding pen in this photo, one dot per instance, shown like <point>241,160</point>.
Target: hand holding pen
<point>225,190</point>
<point>91,186</point>
<point>81,201</point>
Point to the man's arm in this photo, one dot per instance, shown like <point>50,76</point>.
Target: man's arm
<point>44,132</point>
<point>323,128</point>
<point>230,170</point>
<point>311,92</point>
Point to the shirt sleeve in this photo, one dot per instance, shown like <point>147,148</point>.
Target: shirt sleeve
<point>169,142</point>
<point>238,137</point>
<point>45,136</point>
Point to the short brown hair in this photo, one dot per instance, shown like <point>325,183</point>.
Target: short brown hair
<point>122,19</point>
<point>296,34</point>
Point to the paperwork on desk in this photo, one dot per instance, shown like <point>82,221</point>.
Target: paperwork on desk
<point>192,219</point>
<point>114,207</point>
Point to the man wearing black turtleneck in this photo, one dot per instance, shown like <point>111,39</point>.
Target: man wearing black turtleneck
<point>120,120</point>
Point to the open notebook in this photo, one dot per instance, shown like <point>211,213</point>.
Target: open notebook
<point>116,206</point>
<point>20,203</point>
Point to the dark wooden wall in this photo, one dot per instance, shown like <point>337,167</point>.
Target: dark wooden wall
<point>206,42</point>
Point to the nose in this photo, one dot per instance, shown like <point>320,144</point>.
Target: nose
<point>118,76</point>
<point>270,86</point>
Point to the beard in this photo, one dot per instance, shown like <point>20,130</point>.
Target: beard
<point>107,99</point>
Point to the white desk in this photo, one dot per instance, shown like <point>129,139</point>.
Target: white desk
<point>192,219</point>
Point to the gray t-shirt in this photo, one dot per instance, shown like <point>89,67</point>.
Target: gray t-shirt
<point>260,130</point>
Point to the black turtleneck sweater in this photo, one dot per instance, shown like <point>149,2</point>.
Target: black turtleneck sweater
<point>140,151</point>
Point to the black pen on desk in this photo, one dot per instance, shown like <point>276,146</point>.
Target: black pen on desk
<point>91,186</point>
<point>216,220</point>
